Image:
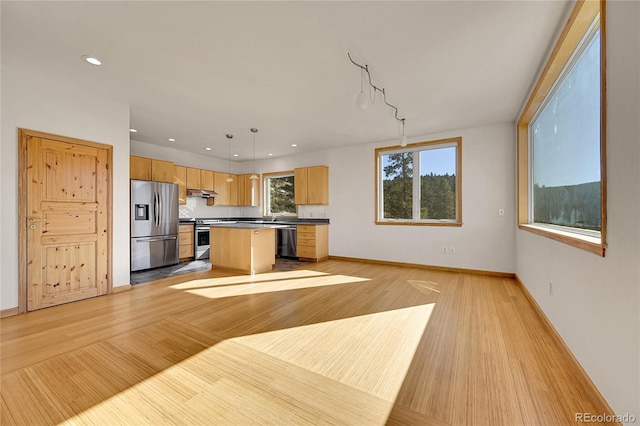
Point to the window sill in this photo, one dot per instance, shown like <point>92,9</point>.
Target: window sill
<point>407,223</point>
<point>584,242</point>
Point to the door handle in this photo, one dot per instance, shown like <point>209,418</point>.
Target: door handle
<point>33,219</point>
<point>153,240</point>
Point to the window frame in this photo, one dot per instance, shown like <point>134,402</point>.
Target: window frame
<point>415,147</point>
<point>579,26</point>
<point>266,201</point>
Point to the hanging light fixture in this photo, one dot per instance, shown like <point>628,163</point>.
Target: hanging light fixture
<point>363,99</point>
<point>229,178</point>
<point>403,136</point>
<point>254,176</point>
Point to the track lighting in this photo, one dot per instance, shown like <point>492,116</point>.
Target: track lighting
<point>363,98</point>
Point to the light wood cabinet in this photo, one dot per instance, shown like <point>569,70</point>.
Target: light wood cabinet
<point>186,240</point>
<point>313,242</point>
<point>180,178</point>
<point>162,171</point>
<point>248,190</point>
<point>139,168</point>
<point>227,191</point>
<point>312,185</point>
<point>250,251</point>
<point>193,178</point>
<point>207,180</point>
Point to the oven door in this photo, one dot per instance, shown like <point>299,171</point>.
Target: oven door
<point>202,242</point>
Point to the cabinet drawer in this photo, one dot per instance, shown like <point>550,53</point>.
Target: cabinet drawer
<point>309,252</point>
<point>307,228</point>
<point>185,228</point>
<point>307,235</point>
<point>307,242</point>
<point>186,251</point>
<point>185,238</point>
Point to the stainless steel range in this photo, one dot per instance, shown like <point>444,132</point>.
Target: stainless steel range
<point>202,237</point>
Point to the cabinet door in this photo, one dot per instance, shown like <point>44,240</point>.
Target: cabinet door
<point>301,184</point>
<point>139,168</point>
<point>317,185</point>
<point>251,192</point>
<point>232,189</point>
<point>241,187</point>
<point>207,180</point>
<point>162,171</point>
<point>180,177</point>
<point>193,178</point>
<point>221,187</point>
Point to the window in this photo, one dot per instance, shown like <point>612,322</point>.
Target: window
<point>279,195</point>
<point>419,184</point>
<point>561,173</point>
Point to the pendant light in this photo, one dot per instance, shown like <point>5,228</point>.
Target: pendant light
<point>229,178</point>
<point>363,98</point>
<point>254,176</point>
<point>403,137</point>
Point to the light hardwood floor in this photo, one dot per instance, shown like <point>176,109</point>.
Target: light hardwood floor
<point>335,343</point>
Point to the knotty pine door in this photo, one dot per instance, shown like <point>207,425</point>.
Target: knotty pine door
<point>67,220</point>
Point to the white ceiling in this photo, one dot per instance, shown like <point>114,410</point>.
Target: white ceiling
<point>195,71</point>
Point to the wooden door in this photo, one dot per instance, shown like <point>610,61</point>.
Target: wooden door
<point>180,178</point>
<point>139,168</point>
<point>207,180</point>
<point>300,186</point>
<point>162,171</point>
<point>193,178</point>
<point>67,220</point>
<point>317,185</point>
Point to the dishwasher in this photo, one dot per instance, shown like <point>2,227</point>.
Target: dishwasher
<point>287,241</point>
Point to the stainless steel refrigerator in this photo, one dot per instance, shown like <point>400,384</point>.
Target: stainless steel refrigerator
<point>154,224</point>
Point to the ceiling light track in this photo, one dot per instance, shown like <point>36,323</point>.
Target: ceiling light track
<point>362,104</point>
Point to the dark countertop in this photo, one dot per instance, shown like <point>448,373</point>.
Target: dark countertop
<point>262,220</point>
<point>245,225</point>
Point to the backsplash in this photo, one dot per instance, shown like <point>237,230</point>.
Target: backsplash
<point>197,207</point>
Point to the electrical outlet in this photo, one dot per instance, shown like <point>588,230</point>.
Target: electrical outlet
<point>500,212</point>
<point>452,250</point>
<point>550,288</point>
<point>444,250</point>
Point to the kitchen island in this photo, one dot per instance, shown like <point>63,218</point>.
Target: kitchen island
<point>244,247</point>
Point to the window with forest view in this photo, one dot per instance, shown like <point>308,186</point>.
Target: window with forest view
<point>279,194</point>
<point>565,136</point>
<point>419,183</point>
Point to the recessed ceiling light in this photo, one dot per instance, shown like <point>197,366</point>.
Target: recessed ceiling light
<point>207,148</point>
<point>92,60</point>
<point>235,155</point>
<point>269,154</point>
<point>294,145</point>
<point>133,130</point>
<point>172,140</point>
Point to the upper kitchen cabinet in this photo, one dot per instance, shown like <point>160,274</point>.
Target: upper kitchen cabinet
<point>227,191</point>
<point>162,171</point>
<point>207,180</point>
<point>248,190</point>
<point>139,168</point>
<point>180,178</point>
<point>193,178</point>
<point>312,185</point>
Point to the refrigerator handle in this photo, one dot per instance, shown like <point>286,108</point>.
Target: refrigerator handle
<point>160,215</point>
<point>156,207</point>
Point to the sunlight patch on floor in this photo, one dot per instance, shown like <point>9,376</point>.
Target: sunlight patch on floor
<point>215,288</point>
<point>347,371</point>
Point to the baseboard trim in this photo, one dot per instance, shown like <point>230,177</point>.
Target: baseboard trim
<point>560,342</point>
<point>9,312</point>
<point>121,288</point>
<point>429,267</point>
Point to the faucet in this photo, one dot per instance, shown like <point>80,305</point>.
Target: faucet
<point>273,217</point>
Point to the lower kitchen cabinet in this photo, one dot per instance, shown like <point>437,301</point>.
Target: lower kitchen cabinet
<point>313,242</point>
<point>185,242</point>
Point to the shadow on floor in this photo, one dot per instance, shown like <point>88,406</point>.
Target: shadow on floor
<point>140,277</point>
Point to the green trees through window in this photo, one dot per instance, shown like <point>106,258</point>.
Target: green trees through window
<point>419,183</point>
<point>280,195</point>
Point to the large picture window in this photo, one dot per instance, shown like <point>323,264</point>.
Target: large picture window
<point>561,165</point>
<point>419,184</point>
<point>279,194</point>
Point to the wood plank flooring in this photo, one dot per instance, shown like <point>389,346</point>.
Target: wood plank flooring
<point>337,342</point>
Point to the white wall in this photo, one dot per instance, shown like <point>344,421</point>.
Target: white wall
<point>30,100</point>
<point>596,301</point>
<point>485,241</point>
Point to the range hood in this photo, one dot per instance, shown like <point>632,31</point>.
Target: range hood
<point>201,193</point>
